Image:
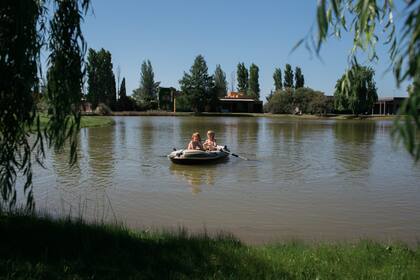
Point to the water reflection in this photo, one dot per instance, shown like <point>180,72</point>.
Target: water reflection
<point>101,154</point>
<point>353,146</point>
<point>195,176</point>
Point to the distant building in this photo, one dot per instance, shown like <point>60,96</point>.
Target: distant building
<point>239,102</point>
<point>86,107</point>
<point>387,106</point>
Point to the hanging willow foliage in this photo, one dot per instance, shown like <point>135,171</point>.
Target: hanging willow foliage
<point>19,60</point>
<point>65,75</point>
<point>369,20</point>
<point>22,36</point>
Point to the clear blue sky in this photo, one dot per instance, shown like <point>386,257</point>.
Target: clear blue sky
<point>171,33</point>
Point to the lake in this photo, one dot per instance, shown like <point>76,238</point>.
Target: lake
<point>305,179</point>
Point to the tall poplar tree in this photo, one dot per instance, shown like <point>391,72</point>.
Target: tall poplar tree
<point>242,77</point>
<point>253,83</point>
<point>123,91</point>
<point>220,82</point>
<point>299,79</point>
<point>288,76</point>
<point>278,83</point>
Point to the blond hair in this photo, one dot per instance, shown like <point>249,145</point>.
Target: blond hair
<point>210,132</point>
<point>196,134</point>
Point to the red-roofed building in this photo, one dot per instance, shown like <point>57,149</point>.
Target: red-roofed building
<point>239,102</point>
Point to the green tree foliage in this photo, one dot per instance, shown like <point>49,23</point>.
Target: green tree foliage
<point>101,78</point>
<point>220,82</point>
<point>288,76</point>
<point>306,100</point>
<point>358,94</point>
<point>299,78</point>
<point>65,78</point>
<point>125,103</point>
<point>278,82</point>
<point>198,85</point>
<point>22,34</point>
<point>242,77</point>
<point>123,91</point>
<point>281,102</point>
<point>372,22</point>
<point>253,83</point>
<point>146,94</point>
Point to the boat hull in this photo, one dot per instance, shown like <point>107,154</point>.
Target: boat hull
<point>197,157</point>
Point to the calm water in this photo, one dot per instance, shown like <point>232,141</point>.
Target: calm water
<point>309,179</point>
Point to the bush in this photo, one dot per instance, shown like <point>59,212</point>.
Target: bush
<point>183,103</point>
<point>302,100</point>
<point>126,103</point>
<point>103,110</point>
<point>281,102</point>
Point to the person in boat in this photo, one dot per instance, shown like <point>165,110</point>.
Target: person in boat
<point>210,144</point>
<point>195,143</point>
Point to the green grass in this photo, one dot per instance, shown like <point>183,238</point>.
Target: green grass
<point>96,121</point>
<point>42,248</point>
<point>86,121</point>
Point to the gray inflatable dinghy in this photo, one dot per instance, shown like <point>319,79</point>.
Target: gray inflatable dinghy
<point>198,157</point>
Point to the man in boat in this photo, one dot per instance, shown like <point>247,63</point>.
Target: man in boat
<point>210,144</point>
<point>195,143</point>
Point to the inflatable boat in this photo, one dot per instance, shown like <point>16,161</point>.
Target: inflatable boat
<point>198,157</point>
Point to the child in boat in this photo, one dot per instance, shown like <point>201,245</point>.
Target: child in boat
<point>195,143</point>
<point>210,143</point>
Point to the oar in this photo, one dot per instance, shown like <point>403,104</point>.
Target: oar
<point>238,156</point>
<point>235,155</point>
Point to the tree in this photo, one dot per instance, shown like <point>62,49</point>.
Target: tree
<point>198,85</point>
<point>146,94</point>
<point>101,78</point>
<point>299,79</point>
<point>253,83</point>
<point>22,40</point>
<point>242,77</point>
<point>359,91</point>
<point>125,103</point>
<point>123,91</point>
<point>371,21</point>
<point>281,102</point>
<point>288,76</point>
<point>220,82</point>
<point>307,100</point>
<point>278,83</point>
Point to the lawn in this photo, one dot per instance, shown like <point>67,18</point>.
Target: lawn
<point>43,248</point>
<point>86,121</point>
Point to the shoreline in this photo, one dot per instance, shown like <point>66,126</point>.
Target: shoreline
<point>267,115</point>
<point>72,248</point>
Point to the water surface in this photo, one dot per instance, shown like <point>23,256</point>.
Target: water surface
<point>307,179</point>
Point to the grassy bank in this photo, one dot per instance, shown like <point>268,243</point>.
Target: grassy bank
<point>40,248</point>
<point>86,121</point>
